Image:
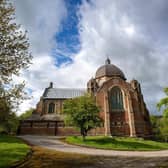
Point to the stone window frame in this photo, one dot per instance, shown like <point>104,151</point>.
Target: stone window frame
<point>121,97</point>
<point>53,108</point>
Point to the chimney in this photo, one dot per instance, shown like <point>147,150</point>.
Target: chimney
<point>51,85</point>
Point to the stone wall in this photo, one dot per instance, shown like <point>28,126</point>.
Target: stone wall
<point>55,128</point>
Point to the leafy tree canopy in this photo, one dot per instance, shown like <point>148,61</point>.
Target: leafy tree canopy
<point>164,121</point>
<point>26,114</point>
<point>163,103</point>
<point>83,113</point>
<point>14,56</point>
<point>14,53</point>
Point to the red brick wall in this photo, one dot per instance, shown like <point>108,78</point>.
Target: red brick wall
<point>43,128</point>
<point>119,121</point>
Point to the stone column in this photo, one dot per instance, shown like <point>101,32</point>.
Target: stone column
<point>131,117</point>
<point>107,115</point>
<point>43,107</point>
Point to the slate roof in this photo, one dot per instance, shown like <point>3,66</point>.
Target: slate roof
<point>62,93</point>
<point>34,117</point>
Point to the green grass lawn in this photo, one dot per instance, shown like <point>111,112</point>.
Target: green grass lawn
<point>123,143</point>
<point>12,149</point>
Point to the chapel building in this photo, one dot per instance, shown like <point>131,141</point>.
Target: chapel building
<point>121,103</point>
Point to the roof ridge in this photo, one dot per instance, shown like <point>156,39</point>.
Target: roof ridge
<point>64,93</point>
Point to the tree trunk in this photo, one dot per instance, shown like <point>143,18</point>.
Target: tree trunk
<point>83,133</point>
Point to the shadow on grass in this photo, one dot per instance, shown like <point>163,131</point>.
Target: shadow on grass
<point>8,139</point>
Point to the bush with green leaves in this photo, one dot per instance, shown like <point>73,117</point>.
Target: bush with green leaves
<point>163,105</point>
<point>83,113</point>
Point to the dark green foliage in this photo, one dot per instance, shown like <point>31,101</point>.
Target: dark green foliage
<point>8,119</point>
<point>163,105</point>
<point>155,123</point>
<point>12,150</point>
<point>26,114</point>
<point>83,113</point>
<point>164,129</point>
<point>118,143</point>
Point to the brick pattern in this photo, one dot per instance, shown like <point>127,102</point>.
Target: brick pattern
<point>133,120</point>
<point>55,128</point>
<point>58,105</point>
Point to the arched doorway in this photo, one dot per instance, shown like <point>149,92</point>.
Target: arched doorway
<point>117,113</point>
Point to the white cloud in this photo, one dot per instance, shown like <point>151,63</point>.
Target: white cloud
<point>105,28</point>
<point>129,30</point>
<point>42,19</point>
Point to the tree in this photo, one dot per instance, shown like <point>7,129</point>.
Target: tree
<point>14,56</point>
<point>26,114</point>
<point>83,113</point>
<point>155,123</point>
<point>163,105</point>
<point>164,129</point>
<point>14,53</point>
<point>8,119</point>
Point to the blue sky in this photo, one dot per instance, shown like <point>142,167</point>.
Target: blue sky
<point>70,39</point>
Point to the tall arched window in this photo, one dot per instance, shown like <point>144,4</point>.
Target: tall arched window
<point>116,99</point>
<point>51,108</point>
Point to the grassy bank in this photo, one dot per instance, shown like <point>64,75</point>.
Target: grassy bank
<point>12,149</point>
<point>130,144</point>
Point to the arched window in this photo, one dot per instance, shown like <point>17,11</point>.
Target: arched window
<point>116,99</point>
<point>51,108</point>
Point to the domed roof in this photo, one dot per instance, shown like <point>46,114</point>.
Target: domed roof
<point>109,70</point>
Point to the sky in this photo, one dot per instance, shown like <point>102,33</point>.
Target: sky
<point>70,39</point>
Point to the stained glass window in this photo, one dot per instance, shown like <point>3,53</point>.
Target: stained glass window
<point>116,99</point>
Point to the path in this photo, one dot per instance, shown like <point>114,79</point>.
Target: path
<point>52,142</point>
